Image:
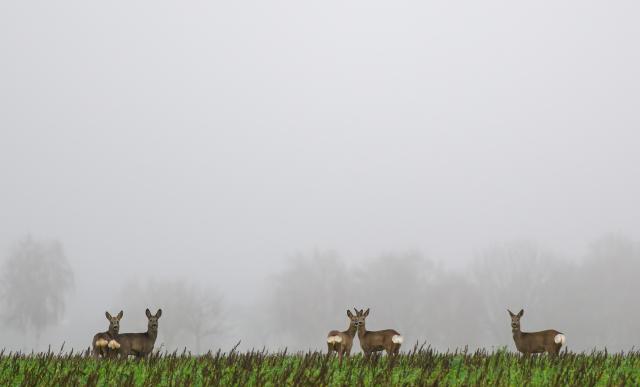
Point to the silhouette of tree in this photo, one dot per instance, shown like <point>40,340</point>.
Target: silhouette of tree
<point>35,280</point>
<point>516,275</point>
<point>604,293</point>
<point>308,298</point>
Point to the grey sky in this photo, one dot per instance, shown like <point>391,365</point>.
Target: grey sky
<point>210,140</point>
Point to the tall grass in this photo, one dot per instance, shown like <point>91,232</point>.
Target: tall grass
<point>420,366</point>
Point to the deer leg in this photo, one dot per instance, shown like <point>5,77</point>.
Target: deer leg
<point>330,349</point>
<point>113,354</point>
<point>123,354</point>
<point>368,355</point>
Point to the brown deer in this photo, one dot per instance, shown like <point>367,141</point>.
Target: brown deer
<point>341,342</point>
<point>374,341</point>
<point>104,342</point>
<point>140,344</point>
<point>549,341</point>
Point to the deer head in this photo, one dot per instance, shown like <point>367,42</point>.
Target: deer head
<point>360,317</point>
<point>114,322</point>
<point>515,319</point>
<point>153,320</point>
<point>353,318</point>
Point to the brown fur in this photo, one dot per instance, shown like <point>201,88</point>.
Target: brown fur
<point>140,344</point>
<point>343,348</point>
<point>105,337</point>
<point>533,342</point>
<point>375,341</point>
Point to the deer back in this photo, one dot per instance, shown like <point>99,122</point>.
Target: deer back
<point>535,342</point>
<point>377,340</point>
<point>137,344</point>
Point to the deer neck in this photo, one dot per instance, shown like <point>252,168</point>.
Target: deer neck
<point>362,330</point>
<point>517,333</point>
<point>152,333</point>
<point>351,331</point>
<point>113,332</point>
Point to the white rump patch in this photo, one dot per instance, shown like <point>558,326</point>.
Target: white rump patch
<point>397,339</point>
<point>560,339</point>
<point>114,344</point>
<point>101,343</point>
<point>334,339</point>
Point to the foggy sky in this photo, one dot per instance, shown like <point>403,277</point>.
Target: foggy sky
<point>209,141</point>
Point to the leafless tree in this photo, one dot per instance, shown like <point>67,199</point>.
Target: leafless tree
<point>517,274</point>
<point>306,298</point>
<point>36,279</point>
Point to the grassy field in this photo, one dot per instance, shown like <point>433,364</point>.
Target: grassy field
<point>418,367</point>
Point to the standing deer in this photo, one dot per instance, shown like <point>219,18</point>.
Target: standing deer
<point>341,342</point>
<point>549,341</point>
<point>140,344</point>
<point>104,342</point>
<point>374,341</point>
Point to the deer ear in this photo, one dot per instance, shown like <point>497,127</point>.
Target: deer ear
<point>108,315</point>
<point>349,314</point>
<point>148,313</point>
<point>120,315</point>
<point>159,313</point>
<point>510,313</point>
<point>366,313</point>
<point>521,313</point>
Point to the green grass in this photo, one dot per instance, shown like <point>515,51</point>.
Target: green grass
<point>417,367</point>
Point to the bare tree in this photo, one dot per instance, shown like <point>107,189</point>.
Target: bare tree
<point>36,279</point>
<point>607,282</point>
<point>203,313</point>
<point>395,287</point>
<point>309,296</point>
<point>519,275</point>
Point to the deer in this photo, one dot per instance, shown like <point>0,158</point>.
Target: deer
<point>388,340</point>
<point>527,343</point>
<point>140,344</point>
<point>341,342</point>
<point>104,343</point>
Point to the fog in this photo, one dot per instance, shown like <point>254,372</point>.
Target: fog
<point>264,166</point>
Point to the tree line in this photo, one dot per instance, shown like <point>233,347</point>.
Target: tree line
<point>589,299</point>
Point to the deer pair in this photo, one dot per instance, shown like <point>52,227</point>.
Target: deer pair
<point>387,340</point>
<point>111,343</point>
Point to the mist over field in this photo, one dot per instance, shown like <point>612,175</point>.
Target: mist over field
<point>256,169</point>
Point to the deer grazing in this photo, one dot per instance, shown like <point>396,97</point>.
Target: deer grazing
<point>341,342</point>
<point>388,340</point>
<point>140,344</point>
<point>104,343</point>
<point>549,341</point>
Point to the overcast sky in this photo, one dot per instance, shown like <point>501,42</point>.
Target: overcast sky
<point>210,140</point>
